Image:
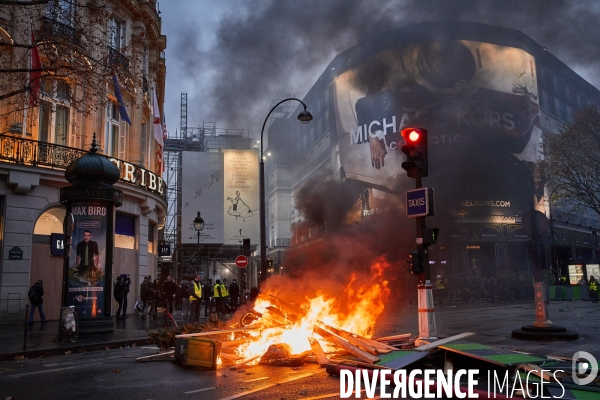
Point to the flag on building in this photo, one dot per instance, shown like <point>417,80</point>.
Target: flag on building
<point>158,132</point>
<point>35,74</point>
<point>119,96</point>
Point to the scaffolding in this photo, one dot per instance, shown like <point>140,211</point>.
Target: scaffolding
<point>188,259</point>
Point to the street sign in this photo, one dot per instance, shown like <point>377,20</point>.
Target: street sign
<point>164,250</point>
<point>419,202</point>
<point>241,261</point>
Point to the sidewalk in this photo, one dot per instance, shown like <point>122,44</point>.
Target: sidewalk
<point>39,341</point>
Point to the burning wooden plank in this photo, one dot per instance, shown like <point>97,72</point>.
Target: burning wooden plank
<point>209,333</point>
<point>443,341</point>
<point>330,337</point>
<point>244,363</point>
<point>233,343</point>
<point>403,336</point>
<point>318,352</point>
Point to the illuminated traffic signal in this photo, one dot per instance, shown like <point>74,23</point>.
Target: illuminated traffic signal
<point>269,263</point>
<point>416,152</point>
<point>430,235</point>
<point>415,262</point>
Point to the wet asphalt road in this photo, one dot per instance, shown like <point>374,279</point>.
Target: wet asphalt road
<point>114,374</point>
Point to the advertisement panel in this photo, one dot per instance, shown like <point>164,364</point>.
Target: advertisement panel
<point>202,190</point>
<point>241,191</point>
<point>224,187</point>
<point>86,274</point>
<point>479,103</point>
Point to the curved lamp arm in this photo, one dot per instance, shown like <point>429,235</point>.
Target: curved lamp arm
<point>262,131</point>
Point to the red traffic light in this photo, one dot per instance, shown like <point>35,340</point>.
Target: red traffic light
<point>413,135</point>
<point>416,152</point>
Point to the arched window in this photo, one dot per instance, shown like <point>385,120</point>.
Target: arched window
<point>51,221</point>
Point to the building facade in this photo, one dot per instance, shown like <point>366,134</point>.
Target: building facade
<point>485,94</point>
<point>74,72</point>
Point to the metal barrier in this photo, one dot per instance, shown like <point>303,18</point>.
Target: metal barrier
<point>569,292</point>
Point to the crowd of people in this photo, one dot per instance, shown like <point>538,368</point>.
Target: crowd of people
<point>189,297</point>
<point>499,288</point>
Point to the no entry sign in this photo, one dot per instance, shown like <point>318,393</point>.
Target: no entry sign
<point>241,261</point>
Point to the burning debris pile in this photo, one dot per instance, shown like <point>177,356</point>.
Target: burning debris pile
<point>327,321</point>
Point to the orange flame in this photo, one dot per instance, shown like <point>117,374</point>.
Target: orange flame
<point>356,311</point>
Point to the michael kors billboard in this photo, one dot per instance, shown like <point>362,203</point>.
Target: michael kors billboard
<point>479,103</point>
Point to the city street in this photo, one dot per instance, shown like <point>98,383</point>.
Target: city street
<point>115,374</point>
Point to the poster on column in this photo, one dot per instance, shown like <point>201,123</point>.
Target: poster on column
<point>241,191</point>
<point>86,282</point>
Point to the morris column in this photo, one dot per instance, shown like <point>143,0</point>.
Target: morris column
<point>91,200</point>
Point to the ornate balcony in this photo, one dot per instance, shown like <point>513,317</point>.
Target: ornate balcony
<point>117,60</point>
<point>16,150</point>
<point>54,31</point>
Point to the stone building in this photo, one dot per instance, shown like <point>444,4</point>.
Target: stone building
<point>65,65</point>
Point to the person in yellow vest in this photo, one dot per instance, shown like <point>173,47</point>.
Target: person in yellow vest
<point>439,289</point>
<point>218,295</point>
<point>195,298</point>
<point>563,280</point>
<point>593,289</point>
<point>225,301</point>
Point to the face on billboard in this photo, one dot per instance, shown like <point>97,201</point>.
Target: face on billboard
<point>478,102</point>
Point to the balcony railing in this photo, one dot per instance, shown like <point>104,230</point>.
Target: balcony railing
<point>16,150</point>
<point>54,31</point>
<point>117,60</point>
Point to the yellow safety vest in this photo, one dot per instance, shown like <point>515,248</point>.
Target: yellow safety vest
<point>216,294</point>
<point>224,290</point>
<point>197,288</point>
<point>439,285</point>
<point>593,287</point>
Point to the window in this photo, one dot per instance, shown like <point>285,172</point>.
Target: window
<point>116,33</point>
<point>151,244</point>
<point>50,221</point>
<point>581,101</point>
<point>54,112</point>
<point>559,108</point>
<point>124,231</point>
<point>545,103</point>
<point>569,114</point>
<point>113,132</point>
<point>62,11</point>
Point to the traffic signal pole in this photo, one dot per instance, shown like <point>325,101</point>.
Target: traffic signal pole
<point>416,166</point>
<point>427,327</point>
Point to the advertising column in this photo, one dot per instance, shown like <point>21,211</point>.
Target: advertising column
<point>87,269</point>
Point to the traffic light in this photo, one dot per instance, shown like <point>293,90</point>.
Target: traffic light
<point>416,152</point>
<point>430,235</point>
<point>246,247</point>
<point>269,263</point>
<point>415,262</point>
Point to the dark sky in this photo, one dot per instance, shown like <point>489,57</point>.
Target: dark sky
<point>233,57</point>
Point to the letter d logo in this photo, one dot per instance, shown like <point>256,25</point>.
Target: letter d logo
<point>583,367</point>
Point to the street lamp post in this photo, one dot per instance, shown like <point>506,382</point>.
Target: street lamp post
<point>198,226</point>
<point>305,117</point>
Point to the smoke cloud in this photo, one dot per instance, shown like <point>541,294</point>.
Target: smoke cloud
<point>268,47</point>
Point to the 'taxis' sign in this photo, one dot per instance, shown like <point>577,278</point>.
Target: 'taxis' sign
<point>419,202</point>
